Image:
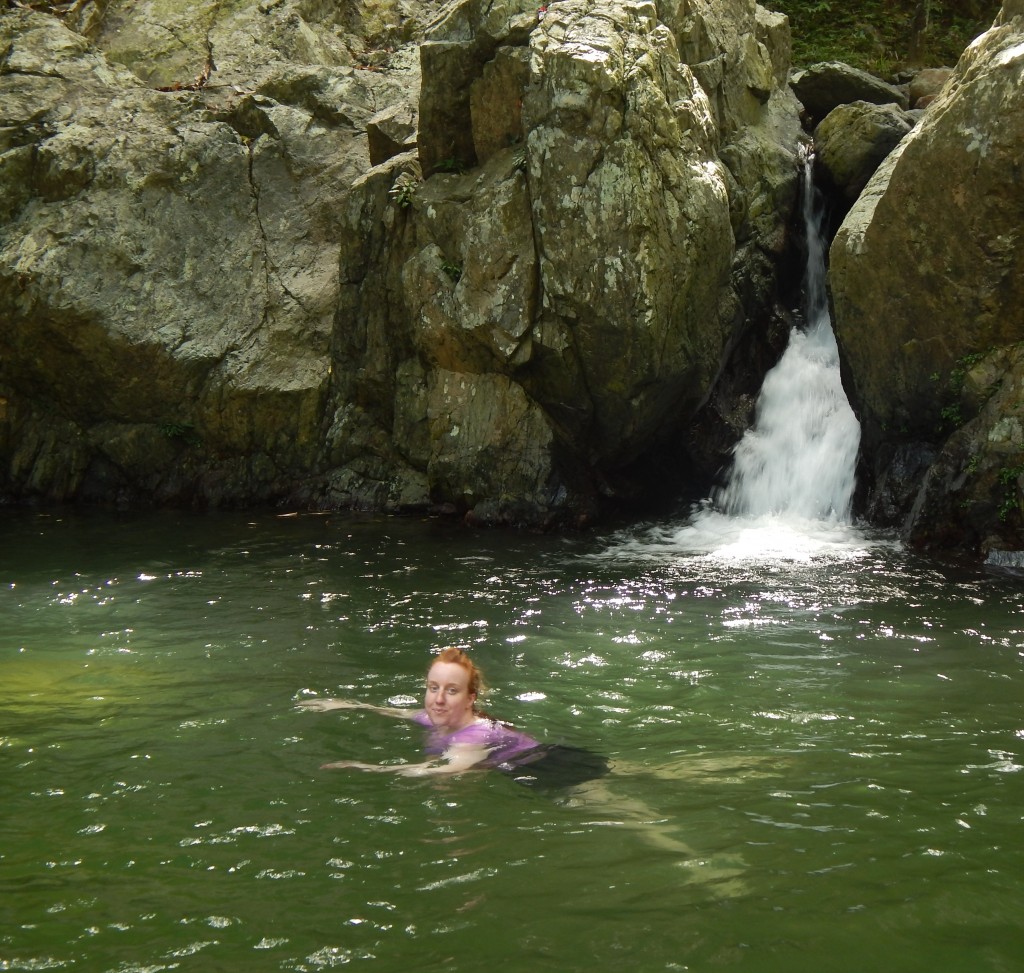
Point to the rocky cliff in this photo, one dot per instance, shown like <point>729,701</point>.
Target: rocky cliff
<point>350,255</point>
<point>927,276</point>
<point>511,262</point>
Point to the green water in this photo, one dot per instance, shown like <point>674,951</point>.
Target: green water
<point>817,750</point>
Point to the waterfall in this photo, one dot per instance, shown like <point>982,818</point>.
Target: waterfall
<point>790,489</point>
<point>798,459</point>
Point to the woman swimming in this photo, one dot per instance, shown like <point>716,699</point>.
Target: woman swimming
<point>462,737</point>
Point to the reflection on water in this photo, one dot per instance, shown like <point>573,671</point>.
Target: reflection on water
<point>816,737</point>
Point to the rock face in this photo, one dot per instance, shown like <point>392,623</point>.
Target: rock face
<point>167,266</point>
<point>927,276</point>
<point>247,257</point>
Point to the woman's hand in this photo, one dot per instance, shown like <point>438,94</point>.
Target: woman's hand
<point>357,765</point>
<point>323,705</point>
<point>403,770</point>
<point>455,760</point>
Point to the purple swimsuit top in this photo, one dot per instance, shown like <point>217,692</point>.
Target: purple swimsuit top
<point>508,747</point>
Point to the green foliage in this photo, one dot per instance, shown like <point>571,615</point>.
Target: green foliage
<point>403,192</point>
<point>1009,477</point>
<point>451,164</point>
<point>958,375</point>
<point>1010,474</point>
<point>453,270</point>
<point>878,35</point>
<point>952,412</point>
<point>952,415</point>
<point>184,432</point>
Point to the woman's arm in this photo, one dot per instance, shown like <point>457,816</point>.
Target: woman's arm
<point>323,705</point>
<point>455,760</point>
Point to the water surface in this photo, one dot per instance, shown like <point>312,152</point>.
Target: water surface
<point>816,735</point>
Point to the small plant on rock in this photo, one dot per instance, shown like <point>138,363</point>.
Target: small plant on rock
<point>403,192</point>
<point>183,432</point>
<point>1009,477</point>
<point>951,414</point>
<point>451,164</point>
<point>453,270</point>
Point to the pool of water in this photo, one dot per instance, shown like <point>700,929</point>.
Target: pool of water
<point>816,739</point>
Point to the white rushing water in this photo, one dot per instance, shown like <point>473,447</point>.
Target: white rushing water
<point>799,457</point>
<point>789,493</point>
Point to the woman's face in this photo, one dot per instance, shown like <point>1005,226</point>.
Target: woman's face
<point>448,701</point>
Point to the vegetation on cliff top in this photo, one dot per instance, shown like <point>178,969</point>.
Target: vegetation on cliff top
<point>884,36</point>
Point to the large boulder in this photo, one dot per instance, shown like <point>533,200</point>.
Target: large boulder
<point>927,276</point>
<point>632,214</point>
<point>853,139</point>
<point>740,53</point>
<point>971,496</point>
<point>822,87</point>
<point>240,43</point>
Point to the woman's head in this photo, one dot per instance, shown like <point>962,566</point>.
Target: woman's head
<point>453,684</point>
<point>458,657</point>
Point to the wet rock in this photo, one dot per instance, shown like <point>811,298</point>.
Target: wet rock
<point>892,496</point>
<point>1005,560</point>
<point>490,448</point>
<point>972,494</point>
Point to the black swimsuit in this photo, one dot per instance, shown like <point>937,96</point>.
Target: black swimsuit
<point>554,766</point>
